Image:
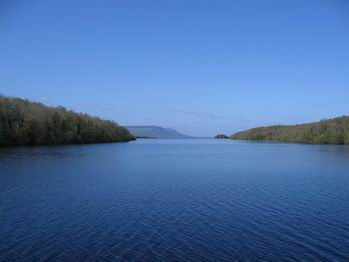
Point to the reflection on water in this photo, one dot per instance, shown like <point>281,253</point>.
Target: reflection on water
<point>174,200</point>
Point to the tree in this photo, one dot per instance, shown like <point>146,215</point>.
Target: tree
<point>27,123</point>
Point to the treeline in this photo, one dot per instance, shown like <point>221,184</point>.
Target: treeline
<point>332,131</point>
<point>27,123</point>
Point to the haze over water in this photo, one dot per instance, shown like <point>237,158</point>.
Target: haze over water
<point>176,199</point>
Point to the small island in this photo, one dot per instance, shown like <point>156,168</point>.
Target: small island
<point>221,136</point>
<point>330,131</point>
<point>23,122</point>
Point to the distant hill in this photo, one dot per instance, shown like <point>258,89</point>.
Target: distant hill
<point>331,131</point>
<point>154,132</point>
<point>23,122</point>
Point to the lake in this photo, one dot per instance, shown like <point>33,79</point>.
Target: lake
<point>175,200</point>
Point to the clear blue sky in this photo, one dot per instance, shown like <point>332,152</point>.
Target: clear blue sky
<point>202,67</point>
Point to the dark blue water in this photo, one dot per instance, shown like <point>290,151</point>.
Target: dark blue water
<point>175,200</point>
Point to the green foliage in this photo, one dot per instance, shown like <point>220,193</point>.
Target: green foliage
<point>332,131</point>
<point>27,123</point>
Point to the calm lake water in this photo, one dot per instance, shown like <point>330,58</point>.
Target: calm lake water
<point>175,200</point>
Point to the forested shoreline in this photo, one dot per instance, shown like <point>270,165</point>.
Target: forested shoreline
<point>331,131</point>
<point>23,122</point>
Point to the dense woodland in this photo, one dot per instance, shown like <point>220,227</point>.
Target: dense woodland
<point>332,131</point>
<point>27,123</point>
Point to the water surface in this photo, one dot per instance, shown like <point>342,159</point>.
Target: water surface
<point>174,200</point>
